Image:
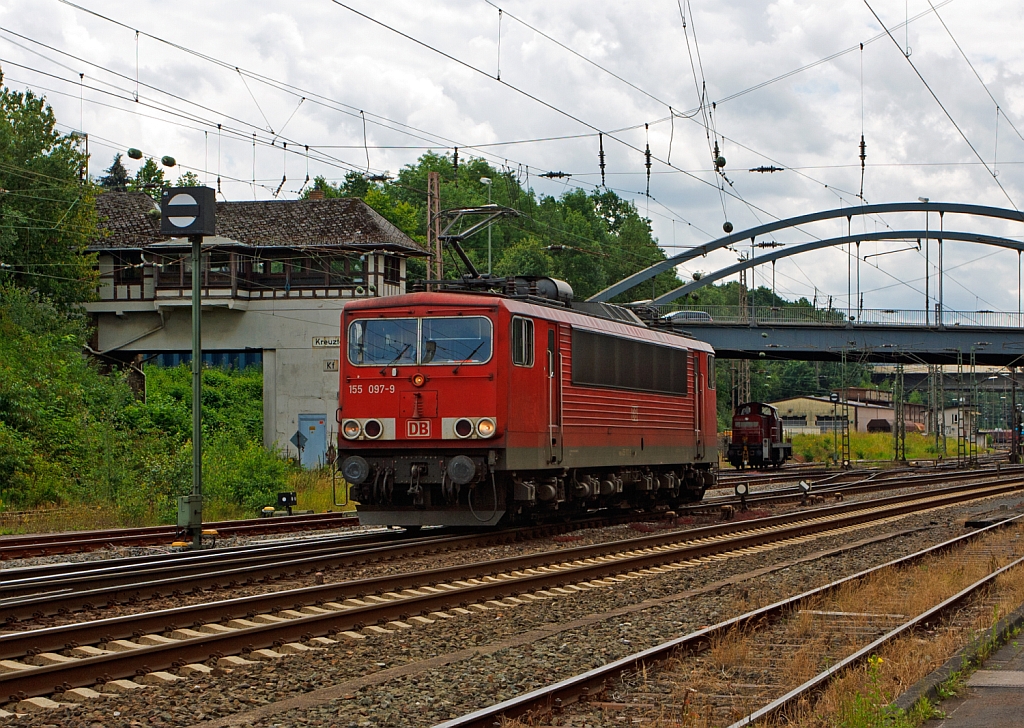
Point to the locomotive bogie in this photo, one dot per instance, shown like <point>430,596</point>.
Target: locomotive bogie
<point>408,490</point>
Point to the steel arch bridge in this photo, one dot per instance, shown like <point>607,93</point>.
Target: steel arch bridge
<point>987,337</point>
<point>795,222</point>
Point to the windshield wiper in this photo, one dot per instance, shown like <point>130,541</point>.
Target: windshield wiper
<point>384,369</point>
<point>470,357</point>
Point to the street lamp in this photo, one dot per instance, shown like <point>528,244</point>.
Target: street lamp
<point>487,181</point>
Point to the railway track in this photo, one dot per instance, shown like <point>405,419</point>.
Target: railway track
<point>607,687</point>
<point>867,483</point>
<point>35,592</point>
<point>793,472</point>
<point>30,545</point>
<point>42,661</point>
<point>52,589</point>
<point>23,546</point>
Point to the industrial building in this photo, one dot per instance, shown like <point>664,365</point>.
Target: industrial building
<point>868,409</point>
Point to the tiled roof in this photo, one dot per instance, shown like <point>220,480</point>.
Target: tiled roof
<point>128,220</point>
<point>344,221</point>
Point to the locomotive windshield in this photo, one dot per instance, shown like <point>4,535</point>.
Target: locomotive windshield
<point>383,341</point>
<point>451,340</point>
<point>394,342</point>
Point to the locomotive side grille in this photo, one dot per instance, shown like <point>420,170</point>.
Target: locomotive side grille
<point>585,406</point>
<point>610,361</point>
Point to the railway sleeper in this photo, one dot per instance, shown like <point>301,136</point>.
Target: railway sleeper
<point>406,622</point>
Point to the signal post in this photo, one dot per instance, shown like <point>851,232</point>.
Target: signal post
<point>192,212</point>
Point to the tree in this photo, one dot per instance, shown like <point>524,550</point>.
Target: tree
<point>116,178</point>
<point>47,216</point>
<point>602,237</point>
<point>149,179</point>
<point>189,179</point>
<point>525,258</point>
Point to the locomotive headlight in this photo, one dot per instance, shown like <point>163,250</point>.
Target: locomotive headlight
<point>463,428</point>
<point>351,429</point>
<point>418,380</point>
<point>485,427</point>
<point>373,429</point>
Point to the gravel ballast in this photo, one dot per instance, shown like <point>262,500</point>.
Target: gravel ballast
<point>421,676</point>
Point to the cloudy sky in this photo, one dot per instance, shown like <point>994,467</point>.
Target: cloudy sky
<point>324,75</point>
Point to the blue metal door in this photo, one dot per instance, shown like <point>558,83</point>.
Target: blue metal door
<point>314,429</point>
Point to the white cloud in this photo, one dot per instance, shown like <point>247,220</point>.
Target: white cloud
<point>810,121</point>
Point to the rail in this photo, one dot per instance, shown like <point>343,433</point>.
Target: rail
<point>554,697</point>
<point>522,575</point>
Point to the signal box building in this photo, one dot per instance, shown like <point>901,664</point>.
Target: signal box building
<point>274,281</point>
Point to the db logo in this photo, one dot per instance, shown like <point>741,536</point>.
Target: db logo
<point>417,428</point>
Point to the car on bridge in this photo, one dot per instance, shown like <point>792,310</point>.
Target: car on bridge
<point>678,318</point>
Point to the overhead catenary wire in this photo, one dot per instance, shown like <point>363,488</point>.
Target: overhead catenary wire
<point>221,128</point>
<point>514,88</point>
<point>412,130</point>
<point>287,87</point>
<point>945,110</point>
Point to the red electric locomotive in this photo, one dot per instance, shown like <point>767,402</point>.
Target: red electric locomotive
<point>471,409</point>
<point>757,439</point>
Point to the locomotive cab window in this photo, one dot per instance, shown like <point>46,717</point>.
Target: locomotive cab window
<point>522,342</point>
<point>711,371</point>
<point>383,341</point>
<point>464,339</point>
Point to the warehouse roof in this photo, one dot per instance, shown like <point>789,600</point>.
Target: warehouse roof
<point>132,220</point>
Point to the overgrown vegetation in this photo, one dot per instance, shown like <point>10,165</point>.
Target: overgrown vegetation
<point>863,446</point>
<point>72,435</point>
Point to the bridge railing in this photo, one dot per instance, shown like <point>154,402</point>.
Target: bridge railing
<point>797,315</point>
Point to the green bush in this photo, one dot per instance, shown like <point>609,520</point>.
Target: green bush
<point>71,434</point>
<point>239,472</point>
<point>864,446</point>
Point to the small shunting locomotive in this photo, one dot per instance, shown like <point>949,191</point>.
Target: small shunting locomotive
<point>757,437</point>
